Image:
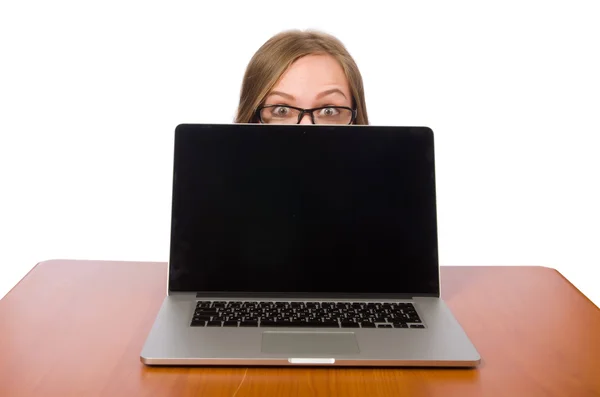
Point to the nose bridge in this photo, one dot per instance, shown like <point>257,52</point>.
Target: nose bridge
<point>305,118</point>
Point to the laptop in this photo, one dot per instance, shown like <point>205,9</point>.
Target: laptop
<point>304,245</point>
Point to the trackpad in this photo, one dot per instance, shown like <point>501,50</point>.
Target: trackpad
<point>313,344</point>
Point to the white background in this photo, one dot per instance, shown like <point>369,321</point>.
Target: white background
<point>90,93</point>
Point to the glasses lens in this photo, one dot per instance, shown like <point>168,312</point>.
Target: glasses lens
<point>333,115</point>
<point>279,115</point>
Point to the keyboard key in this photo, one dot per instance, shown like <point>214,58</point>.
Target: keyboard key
<point>400,325</point>
<point>349,324</point>
<point>417,326</point>
<point>213,324</point>
<point>299,324</point>
<point>367,325</point>
<point>206,311</point>
<point>249,324</point>
<point>384,325</point>
<point>325,324</point>
<point>230,323</point>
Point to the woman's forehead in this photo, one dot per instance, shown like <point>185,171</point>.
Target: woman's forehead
<point>313,75</point>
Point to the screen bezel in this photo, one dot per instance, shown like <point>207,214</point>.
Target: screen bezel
<point>434,291</point>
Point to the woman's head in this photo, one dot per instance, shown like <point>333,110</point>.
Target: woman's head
<point>303,69</point>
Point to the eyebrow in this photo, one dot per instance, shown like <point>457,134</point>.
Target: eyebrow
<point>282,94</point>
<point>331,91</point>
<point>319,96</point>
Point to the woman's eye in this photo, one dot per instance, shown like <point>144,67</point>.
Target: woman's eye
<point>281,111</point>
<point>328,112</point>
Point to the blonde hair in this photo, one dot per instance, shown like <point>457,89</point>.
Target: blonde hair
<point>275,56</point>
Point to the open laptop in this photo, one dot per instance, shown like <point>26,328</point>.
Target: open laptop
<point>305,245</point>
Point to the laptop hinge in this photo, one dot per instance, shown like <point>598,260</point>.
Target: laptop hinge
<point>307,296</point>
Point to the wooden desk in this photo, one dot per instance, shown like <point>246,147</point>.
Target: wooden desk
<point>76,328</point>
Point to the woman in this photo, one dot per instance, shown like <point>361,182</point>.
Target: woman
<point>302,77</point>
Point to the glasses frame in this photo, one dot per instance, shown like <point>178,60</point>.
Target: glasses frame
<point>305,111</point>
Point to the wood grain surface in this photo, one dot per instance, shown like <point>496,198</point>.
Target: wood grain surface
<point>76,328</point>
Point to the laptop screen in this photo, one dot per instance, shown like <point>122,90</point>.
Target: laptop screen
<point>303,209</point>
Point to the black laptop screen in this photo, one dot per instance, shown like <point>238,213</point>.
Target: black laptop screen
<point>304,209</point>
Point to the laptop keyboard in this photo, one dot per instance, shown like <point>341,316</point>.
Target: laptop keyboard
<point>306,314</point>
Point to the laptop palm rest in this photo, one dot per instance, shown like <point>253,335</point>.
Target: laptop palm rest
<point>303,344</point>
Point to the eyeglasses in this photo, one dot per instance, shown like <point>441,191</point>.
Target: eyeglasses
<point>284,114</point>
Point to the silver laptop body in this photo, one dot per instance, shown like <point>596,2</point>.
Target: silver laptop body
<point>305,245</point>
